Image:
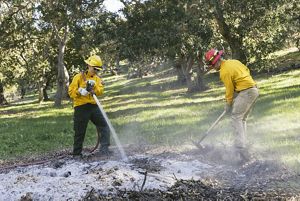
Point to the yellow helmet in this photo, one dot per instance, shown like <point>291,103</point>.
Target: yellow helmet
<point>94,61</point>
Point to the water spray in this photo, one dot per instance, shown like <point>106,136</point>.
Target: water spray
<point>114,134</point>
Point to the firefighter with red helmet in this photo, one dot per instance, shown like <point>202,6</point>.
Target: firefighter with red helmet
<point>241,95</point>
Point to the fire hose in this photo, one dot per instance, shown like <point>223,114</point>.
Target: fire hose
<point>37,162</point>
<point>98,141</point>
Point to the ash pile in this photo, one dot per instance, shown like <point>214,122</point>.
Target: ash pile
<point>259,180</point>
<point>152,174</point>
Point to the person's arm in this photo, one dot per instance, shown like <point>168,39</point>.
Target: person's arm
<point>228,83</point>
<point>98,89</point>
<point>73,87</point>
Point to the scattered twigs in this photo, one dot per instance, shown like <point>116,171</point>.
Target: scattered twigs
<point>175,177</point>
<point>158,176</point>
<point>145,177</point>
<point>89,194</point>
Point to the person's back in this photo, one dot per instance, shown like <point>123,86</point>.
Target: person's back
<point>240,74</point>
<point>235,76</point>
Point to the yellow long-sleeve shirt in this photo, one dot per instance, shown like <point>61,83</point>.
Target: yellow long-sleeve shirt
<point>80,80</point>
<point>236,77</point>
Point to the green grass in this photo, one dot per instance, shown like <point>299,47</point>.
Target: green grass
<point>154,109</point>
<point>33,128</point>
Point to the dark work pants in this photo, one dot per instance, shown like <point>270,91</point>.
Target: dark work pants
<point>82,115</point>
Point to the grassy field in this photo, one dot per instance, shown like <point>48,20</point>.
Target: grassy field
<point>155,110</point>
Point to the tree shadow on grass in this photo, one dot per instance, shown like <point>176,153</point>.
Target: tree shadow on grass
<point>22,110</point>
<point>25,108</point>
<point>279,144</point>
<point>136,110</point>
<point>152,98</point>
<point>145,85</point>
<point>270,100</point>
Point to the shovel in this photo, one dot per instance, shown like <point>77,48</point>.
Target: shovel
<point>197,143</point>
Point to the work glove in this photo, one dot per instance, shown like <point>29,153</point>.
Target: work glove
<point>83,91</point>
<point>90,85</point>
<point>228,108</point>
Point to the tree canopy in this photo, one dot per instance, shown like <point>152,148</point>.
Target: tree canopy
<point>42,41</point>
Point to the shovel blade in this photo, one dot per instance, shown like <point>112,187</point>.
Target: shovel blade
<point>198,144</point>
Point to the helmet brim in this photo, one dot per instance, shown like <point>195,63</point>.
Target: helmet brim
<point>87,62</point>
<point>90,64</point>
<point>97,67</point>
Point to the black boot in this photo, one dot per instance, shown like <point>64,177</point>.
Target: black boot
<point>77,156</point>
<point>245,156</point>
<point>104,151</point>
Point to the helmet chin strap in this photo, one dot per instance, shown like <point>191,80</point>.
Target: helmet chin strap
<point>218,64</point>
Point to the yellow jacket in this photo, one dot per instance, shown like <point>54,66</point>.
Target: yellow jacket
<point>79,80</point>
<point>236,77</point>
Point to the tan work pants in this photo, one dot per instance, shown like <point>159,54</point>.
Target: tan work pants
<point>242,105</point>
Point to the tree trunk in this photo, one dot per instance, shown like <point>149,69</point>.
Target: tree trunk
<point>66,83</point>
<point>60,75</point>
<point>40,86</point>
<point>60,69</point>
<point>237,50</point>
<point>22,86</point>
<point>45,94</point>
<point>23,91</point>
<point>186,67</point>
<point>235,42</point>
<point>2,98</point>
<point>140,69</point>
<point>117,68</point>
<point>180,76</point>
<point>200,85</point>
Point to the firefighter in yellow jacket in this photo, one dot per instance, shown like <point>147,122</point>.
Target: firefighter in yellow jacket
<point>83,85</point>
<point>241,95</point>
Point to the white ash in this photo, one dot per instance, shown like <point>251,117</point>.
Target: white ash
<point>72,180</point>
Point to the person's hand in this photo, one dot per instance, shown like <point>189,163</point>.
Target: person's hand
<point>90,85</point>
<point>83,91</point>
<point>228,108</point>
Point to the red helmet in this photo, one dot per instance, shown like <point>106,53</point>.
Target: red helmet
<point>212,56</point>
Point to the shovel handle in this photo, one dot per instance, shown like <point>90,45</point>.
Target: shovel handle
<point>216,122</point>
<point>212,126</point>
